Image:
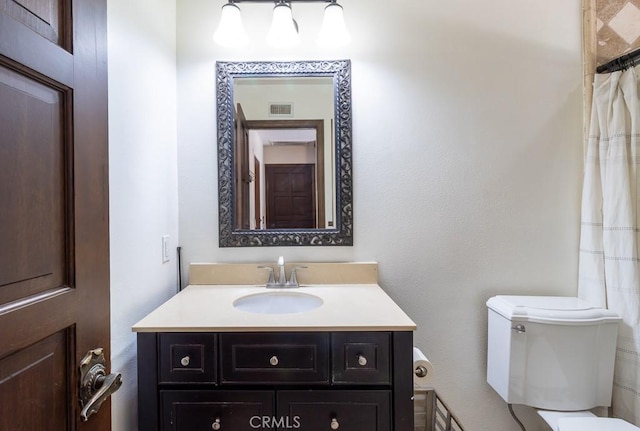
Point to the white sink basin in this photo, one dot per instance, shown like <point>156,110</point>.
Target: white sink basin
<point>278,302</point>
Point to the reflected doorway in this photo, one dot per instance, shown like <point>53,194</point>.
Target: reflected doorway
<point>285,161</point>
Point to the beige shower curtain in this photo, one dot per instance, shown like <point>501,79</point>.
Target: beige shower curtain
<point>609,272</point>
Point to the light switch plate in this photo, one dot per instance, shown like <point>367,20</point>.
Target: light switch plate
<point>165,249</point>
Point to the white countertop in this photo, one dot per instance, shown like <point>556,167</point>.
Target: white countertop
<point>346,307</point>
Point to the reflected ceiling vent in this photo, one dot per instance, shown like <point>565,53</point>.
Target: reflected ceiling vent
<point>280,109</point>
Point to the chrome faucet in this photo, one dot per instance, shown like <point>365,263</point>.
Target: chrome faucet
<point>282,277</point>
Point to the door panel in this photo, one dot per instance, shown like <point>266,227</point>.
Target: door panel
<point>48,18</point>
<point>34,256</point>
<point>54,254</point>
<point>42,369</point>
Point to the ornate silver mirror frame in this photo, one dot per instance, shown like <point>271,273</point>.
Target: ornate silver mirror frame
<point>342,233</point>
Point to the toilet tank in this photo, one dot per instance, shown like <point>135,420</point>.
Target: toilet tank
<point>551,352</point>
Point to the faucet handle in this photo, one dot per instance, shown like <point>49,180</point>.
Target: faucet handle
<point>293,280</point>
<point>271,280</point>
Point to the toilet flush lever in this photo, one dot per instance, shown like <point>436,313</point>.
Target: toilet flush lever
<point>520,329</point>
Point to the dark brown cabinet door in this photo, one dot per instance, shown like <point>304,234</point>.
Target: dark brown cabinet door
<point>348,410</point>
<point>215,410</point>
<point>54,259</point>
<point>361,358</point>
<point>188,358</point>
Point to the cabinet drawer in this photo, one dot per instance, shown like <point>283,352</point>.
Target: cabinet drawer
<point>201,410</point>
<point>344,410</point>
<point>361,358</point>
<point>188,358</point>
<point>266,358</point>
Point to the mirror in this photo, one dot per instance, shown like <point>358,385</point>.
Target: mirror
<point>284,153</point>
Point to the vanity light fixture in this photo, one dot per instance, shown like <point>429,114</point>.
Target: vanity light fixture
<point>284,29</point>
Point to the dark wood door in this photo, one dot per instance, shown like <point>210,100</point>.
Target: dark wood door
<point>54,255</point>
<point>257,192</point>
<point>290,196</point>
<point>243,178</point>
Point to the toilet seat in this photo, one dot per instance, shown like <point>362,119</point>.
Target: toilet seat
<point>594,424</point>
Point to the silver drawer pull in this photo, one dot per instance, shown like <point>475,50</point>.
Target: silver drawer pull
<point>335,424</point>
<point>273,361</point>
<point>362,360</point>
<point>216,424</point>
<point>520,329</point>
<point>185,361</point>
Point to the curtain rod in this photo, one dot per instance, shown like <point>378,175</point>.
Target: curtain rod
<point>621,63</point>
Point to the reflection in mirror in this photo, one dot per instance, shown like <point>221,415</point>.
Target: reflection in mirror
<point>284,153</point>
<point>281,164</point>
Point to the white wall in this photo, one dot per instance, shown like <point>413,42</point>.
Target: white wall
<point>143,178</point>
<point>467,159</point>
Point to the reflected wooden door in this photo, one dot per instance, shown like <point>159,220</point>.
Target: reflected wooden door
<point>290,196</point>
<point>243,178</point>
<point>54,250</point>
<point>257,191</point>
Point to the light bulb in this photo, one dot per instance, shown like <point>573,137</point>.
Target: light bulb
<point>333,31</point>
<point>283,32</point>
<point>230,32</point>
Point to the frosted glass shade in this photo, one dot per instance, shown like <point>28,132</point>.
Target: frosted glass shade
<point>230,32</point>
<point>333,31</point>
<point>283,32</point>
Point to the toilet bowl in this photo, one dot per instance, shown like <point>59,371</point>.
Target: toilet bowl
<point>555,354</point>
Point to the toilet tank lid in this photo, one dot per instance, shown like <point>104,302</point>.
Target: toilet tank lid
<point>566,310</point>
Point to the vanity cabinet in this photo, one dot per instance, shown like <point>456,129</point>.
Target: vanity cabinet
<point>346,380</point>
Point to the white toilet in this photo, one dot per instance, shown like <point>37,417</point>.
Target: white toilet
<point>555,354</point>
